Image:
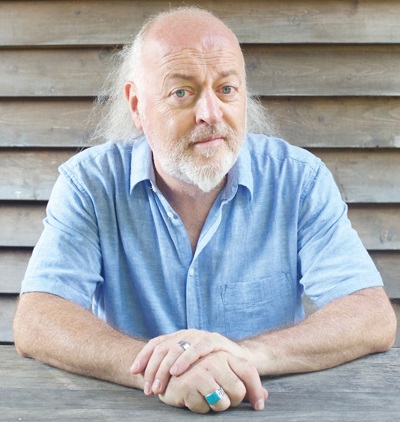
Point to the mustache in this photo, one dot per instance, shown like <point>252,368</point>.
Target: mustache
<point>207,132</point>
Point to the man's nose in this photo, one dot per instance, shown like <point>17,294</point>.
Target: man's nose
<point>208,109</point>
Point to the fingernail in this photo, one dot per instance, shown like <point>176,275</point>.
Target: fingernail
<point>174,369</point>
<point>147,388</point>
<point>156,386</point>
<point>134,367</point>
<point>259,405</point>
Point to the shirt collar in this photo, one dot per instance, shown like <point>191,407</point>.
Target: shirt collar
<point>142,169</point>
<point>240,174</point>
<point>141,163</point>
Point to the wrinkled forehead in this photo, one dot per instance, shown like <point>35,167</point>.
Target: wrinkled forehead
<point>196,37</point>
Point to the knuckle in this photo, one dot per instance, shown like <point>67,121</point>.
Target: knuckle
<point>177,349</point>
<point>246,367</point>
<point>237,394</point>
<point>156,341</point>
<point>195,402</point>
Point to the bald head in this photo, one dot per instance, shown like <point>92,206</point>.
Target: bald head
<point>180,29</point>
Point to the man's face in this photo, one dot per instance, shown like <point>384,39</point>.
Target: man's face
<point>192,107</point>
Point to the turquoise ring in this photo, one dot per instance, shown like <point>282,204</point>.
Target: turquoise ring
<point>215,396</point>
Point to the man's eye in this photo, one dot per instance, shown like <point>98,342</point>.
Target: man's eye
<point>180,93</point>
<point>227,89</point>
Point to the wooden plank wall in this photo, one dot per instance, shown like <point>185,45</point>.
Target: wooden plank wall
<point>329,72</point>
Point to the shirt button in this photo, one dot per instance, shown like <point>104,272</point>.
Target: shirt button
<point>191,272</point>
<point>170,214</point>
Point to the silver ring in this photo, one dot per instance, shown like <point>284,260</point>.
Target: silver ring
<point>215,397</point>
<point>184,344</point>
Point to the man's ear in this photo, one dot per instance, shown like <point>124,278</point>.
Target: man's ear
<point>131,96</point>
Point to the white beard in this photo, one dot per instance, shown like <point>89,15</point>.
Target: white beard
<point>180,161</point>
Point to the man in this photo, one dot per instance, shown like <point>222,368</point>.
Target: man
<point>176,262</point>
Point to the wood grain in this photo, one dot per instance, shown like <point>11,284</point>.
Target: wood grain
<point>319,70</point>
<point>259,21</point>
<point>7,309</point>
<point>342,122</point>
<point>377,225</point>
<point>29,174</point>
<point>364,176</point>
<point>388,264</point>
<point>44,122</point>
<point>13,263</point>
<point>396,307</point>
<point>52,72</point>
<point>273,70</point>
<point>21,223</point>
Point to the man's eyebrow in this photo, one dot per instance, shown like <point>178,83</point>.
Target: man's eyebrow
<point>189,77</point>
<point>181,76</point>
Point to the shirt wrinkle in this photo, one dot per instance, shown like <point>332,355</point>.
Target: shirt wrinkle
<point>135,260</point>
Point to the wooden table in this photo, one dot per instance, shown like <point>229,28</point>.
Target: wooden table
<point>365,390</point>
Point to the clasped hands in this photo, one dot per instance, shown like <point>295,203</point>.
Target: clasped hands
<point>184,376</point>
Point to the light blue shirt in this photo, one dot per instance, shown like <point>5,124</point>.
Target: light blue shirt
<point>279,228</point>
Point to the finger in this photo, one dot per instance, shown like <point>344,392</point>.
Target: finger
<point>160,353</point>
<point>255,392</point>
<point>233,387</point>
<point>160,370</point>
<point>202,345</point>
<point>142,358</point>
<point>216,398</point>
<point>164,341</point>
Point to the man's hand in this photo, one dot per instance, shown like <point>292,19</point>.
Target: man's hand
<point>162,356</point>
<point>238,378</point>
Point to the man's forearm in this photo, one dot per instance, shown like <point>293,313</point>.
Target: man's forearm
<point>62,334</point>
<point>346,329</point>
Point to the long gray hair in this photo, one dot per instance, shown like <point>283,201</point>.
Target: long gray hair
<point>111,112</point>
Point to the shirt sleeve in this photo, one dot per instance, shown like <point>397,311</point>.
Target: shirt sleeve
<point>67,259</point>
<point>331,257</point>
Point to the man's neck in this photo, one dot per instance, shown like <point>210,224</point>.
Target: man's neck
<point>189,202</point>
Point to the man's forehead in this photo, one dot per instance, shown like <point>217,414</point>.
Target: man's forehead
<point>217,53</point>
<point>183,31</point>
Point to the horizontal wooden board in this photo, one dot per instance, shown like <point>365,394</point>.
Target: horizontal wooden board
<point>258,21</point>
<point>344,122</point>
<point>317,70</point>
<point>52,72</point>
<point>7,310</point>
<point>43,123</point>
<point>388,264</point>
<point>273,70</point>
<point>29,174</point>
<point>365,176</point>
<point>396,307</point>
<point>13,263</point>
<point>21,224</point>
<point>362,176</point>
<point>378,226</point>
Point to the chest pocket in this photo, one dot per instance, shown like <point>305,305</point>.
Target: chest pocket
<point>254,305</point>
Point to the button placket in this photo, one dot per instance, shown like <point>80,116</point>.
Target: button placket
<point>174,225</point>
